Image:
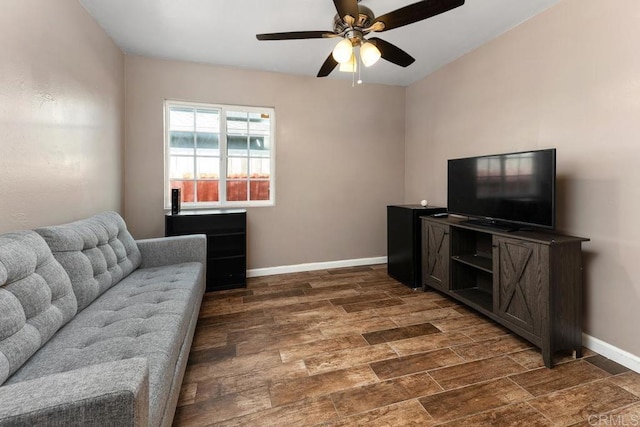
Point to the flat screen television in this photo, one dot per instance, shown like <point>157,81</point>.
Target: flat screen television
<point>505,190</point>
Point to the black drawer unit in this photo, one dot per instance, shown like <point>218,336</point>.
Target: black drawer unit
<point>226,231</point>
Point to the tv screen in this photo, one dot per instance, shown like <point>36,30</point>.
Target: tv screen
<point>516,188</point>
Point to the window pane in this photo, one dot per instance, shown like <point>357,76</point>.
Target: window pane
<point>181,119</point>
<point>237,190</point>
<point>237,167</point>
<point>181,139</point>
<point>208,191</point>
<point>186,189</point>
<point>237,123</point>
<point>259,146</point>
<point>208,121</point>
<point>259,124</point>
<point>259,190</point>
<point>260,168</point>
<point>181,167</point>
<point>208,144</point>
<point>208,167</point>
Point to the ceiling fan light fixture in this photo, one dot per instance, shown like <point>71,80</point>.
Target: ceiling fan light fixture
<point>343,51</point>
<point>369,54</point>
<point>351,66</point>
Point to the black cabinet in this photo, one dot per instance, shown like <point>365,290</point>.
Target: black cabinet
<point>404,248</point>
<point>226,231</point>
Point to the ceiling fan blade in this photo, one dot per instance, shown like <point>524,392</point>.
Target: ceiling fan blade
<point>416,12</point>
<point>328,66</point>
<point>392,53</point>
<point>347,7</point>
<point>293,35</point>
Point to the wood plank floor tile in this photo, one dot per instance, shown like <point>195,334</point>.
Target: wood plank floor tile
<point>342,359</point>
<point>360,298</point>
<point>277,341</point>
<point>308,412</point>
<point>407,414</point>
<point>371,305</point>
<point>544,380</point>
<point>492,347</point>
<point>222,385</point>
<point>607,365</point>
<point>304,351</point>
<point>484,330</point>
<point>576,404</point>
<point>223,408</point>
<point>629,381</point>
<point>424,316</point>
<point>274,295</point>
<point>518,414</point>
<point>410,306</point>
<point>474,372</point>
<point>297,308</point>
<point>235,366</point>
<point>345,327</point>
<point>286,392</point>
<point>401,333</point>
<point>214,354</point>
<point>398,367</point>
<point>457,323</point>
<point>368,397</point>
<point>429,342</point>
<point>471,400</point>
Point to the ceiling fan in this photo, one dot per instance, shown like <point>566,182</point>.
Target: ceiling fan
<point>354,21</point>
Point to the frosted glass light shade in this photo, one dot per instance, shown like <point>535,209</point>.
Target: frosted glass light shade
<point>351,66</point>
<point>343,51</point>
<point>369,54</point>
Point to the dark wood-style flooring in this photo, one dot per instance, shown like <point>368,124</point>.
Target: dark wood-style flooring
<point>354,347</point>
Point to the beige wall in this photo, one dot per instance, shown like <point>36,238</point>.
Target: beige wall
<point>570,79</point>
<point>61,115</point>
<point>339,157</point>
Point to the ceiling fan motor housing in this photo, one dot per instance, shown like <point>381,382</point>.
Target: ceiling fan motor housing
<point>365,19</point>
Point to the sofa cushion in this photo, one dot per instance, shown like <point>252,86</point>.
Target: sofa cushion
<point>96,252</point>
<point>145,315</point>
<point>36,298</point>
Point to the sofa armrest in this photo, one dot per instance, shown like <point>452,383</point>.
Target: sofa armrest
<point>113,393</point>
<point>173,250</point>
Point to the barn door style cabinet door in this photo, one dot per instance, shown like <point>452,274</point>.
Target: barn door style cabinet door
<point>528,281</point>
<point>435,261</point>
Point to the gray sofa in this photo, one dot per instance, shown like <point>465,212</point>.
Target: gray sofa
<point>95,327</point>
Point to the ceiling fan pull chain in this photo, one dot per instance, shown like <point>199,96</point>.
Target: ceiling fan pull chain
<point>360,65</point>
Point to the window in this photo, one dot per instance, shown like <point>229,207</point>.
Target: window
<point>219,155</point>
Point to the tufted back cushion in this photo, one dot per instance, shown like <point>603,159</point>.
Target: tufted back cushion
<point>96,252</point>
<point>36,298</point>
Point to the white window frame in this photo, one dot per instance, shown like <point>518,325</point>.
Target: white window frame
<point>223,202</point>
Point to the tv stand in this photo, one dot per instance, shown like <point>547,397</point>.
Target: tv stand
<point>528,281</point>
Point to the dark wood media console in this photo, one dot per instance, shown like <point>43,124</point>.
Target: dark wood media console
<point>528,281</point>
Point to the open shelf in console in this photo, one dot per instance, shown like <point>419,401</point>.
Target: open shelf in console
<point>472,267</point>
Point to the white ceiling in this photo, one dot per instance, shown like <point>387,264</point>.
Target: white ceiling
<point>223,32</point>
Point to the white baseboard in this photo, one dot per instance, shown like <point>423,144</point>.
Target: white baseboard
<point>297,268</point>
<point>612,352</point>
